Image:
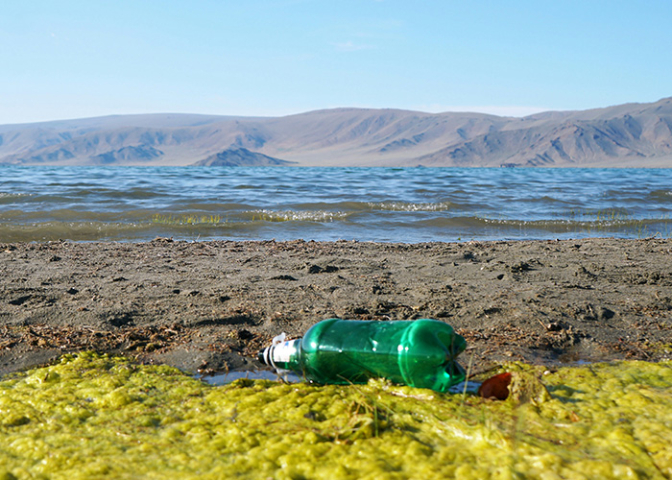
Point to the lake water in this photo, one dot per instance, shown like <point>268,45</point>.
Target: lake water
<point>367,204</point>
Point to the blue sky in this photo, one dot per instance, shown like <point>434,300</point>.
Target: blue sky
<point>71,58</point>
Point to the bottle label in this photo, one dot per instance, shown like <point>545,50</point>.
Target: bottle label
<point>283,352</point>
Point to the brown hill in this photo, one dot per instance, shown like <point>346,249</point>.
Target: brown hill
<point>632,135</point>
<point>240,157</point>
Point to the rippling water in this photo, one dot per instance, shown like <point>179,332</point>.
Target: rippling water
<point>367,204</point>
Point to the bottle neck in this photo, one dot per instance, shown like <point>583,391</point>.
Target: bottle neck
<point>282,356</point>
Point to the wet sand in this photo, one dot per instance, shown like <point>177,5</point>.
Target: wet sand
<point>210,306</point>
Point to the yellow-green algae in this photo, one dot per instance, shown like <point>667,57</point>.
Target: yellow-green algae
<point>93,416</point>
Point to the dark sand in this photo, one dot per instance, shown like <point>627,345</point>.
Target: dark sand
<point>208,306</point>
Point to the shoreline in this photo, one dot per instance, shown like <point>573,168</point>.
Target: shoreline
<point>206,307</point>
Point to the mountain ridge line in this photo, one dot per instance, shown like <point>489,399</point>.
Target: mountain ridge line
<point>629,135</point>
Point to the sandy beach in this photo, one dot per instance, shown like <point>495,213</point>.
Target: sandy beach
<point>206,307</point>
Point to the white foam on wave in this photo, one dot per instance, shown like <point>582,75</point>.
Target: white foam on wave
<point>411,207</point>
<point>297,216</point>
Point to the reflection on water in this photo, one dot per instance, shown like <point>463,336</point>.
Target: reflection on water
<point>224,378</point>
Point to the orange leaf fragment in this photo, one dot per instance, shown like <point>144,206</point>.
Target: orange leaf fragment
<point>496,387</point>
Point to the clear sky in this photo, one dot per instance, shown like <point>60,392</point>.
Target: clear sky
<point>79,58</point>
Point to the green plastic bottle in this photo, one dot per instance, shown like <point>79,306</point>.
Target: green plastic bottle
<point>419,353</point>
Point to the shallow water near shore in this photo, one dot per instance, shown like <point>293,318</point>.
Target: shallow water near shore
<point>408,205</point>
<point>225,378</point>
<point>92,415</point>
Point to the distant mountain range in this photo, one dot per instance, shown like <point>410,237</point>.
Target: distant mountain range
<point>630,135</point>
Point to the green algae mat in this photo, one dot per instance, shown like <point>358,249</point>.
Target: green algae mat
<point>92,416</point>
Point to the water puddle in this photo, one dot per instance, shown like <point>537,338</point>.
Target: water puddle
<point>224,378</point>
<point>465,387</point>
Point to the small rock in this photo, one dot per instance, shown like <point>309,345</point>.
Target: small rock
<point>284,277</point>
<point>521,267</point>
<point>318,269</point>
<point>604,313</point>
<point>554,327</point>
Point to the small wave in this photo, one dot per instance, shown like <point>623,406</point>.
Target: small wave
<point>71,215</point>
<point>75,231</point>
<point>295,216</point>
<point>118,231</point>
<point>661,195</point>
<point>13,195</point>
<point>210,207</point>
<point>632,227</point>
<point>411,207</point>
<point>6,198</point>
<point>143,193</point>
<point>546,200</point>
